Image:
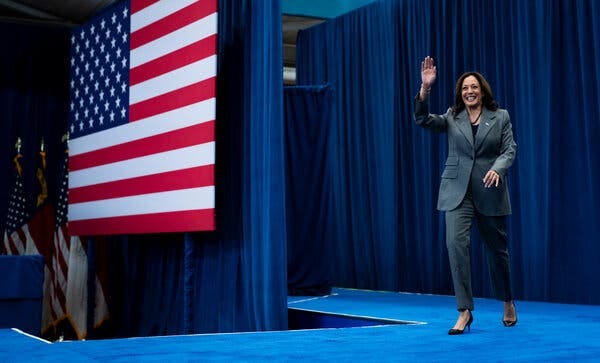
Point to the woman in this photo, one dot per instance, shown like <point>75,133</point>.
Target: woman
<point>473,186</point>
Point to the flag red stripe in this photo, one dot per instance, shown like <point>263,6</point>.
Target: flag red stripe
<point>169,62</point>
<point>187,136</point>
<point>175,180</point>
<point>41,229</point>
<point>59,295</point>
<point>137,5</point>
<point>53,313</point>
<point>186,221</point>
<point>184,96</point>
<point>175,21</point>
<point>62,263</point>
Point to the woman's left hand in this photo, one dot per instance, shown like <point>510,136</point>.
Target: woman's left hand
<point>491,178</point>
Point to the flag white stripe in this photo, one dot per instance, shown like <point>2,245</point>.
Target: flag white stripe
<point>156,12</point>
<point>30,246</point>
<point>20,243</point>
<point>60,276</point>
<point>53,300</point>
<point>62,245</point>
<point>184,158</point>
<point>77,292</point>
<point>15,241</point>
<point>100,308</point>
<point>178,39</point>
<point>54,303</point>
<point>174,80</point>
<point>172,201</point>
<point>58,280</point>
<point>183,117</point>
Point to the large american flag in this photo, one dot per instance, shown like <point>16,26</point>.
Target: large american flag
<point>142,119</point>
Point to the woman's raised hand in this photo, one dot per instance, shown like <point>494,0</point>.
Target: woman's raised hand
<point>428,72</point>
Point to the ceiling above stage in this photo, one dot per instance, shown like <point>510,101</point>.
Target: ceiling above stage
<point>291,25</point>
<point>58,11</point>
<point>298,14</point>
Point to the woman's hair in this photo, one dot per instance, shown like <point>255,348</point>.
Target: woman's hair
<point>487,97</point>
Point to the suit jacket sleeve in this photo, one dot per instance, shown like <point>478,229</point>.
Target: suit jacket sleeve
<point>423,118</point>
<point>508,147</point>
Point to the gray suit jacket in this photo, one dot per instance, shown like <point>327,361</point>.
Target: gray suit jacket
<point>469,160</point>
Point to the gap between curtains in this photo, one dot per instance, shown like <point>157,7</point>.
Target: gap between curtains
<point>308,188</point>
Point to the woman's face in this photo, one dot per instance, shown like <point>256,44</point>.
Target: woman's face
<point>471,92</point>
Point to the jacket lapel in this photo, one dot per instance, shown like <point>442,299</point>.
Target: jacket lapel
<point>488,119</point>
<point>464,126</point>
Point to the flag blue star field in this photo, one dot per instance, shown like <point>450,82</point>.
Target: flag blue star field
<point>142,119</point>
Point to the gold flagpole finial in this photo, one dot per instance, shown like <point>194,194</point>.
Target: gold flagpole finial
<point>18,145</point>
<point>42,145</point>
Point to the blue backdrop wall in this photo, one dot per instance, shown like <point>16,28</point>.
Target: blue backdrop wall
<point>542,61</point>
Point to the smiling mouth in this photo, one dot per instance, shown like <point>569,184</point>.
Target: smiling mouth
<point>470,98</point>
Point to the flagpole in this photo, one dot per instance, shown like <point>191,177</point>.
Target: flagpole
<point>91,285</point>
<point>18,145</point>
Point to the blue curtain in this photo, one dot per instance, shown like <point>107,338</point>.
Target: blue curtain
<point>145,282</point>
<point>541,60</point>
<point>308,188</point>
<point>241,272</point>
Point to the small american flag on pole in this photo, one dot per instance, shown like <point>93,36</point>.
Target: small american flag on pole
<point>16,232</point>
<point>142,119</point>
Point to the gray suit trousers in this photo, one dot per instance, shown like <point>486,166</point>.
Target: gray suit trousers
<point>458,239</point>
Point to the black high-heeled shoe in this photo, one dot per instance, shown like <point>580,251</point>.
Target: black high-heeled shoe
<point>509,323</point>
<point>460,331</point>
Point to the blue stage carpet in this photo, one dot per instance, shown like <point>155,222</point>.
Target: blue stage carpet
<point>544,332</point>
